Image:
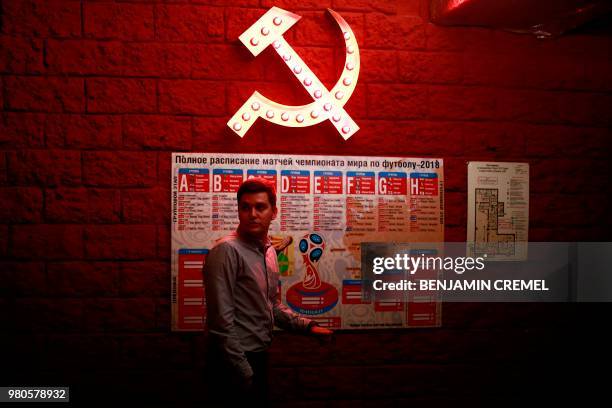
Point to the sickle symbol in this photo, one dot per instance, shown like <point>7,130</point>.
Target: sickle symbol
<point>327,105</point>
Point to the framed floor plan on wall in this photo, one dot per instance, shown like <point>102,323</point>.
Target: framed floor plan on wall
<point>498,210</point>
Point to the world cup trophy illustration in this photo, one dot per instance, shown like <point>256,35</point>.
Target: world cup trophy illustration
<point>312,296</point>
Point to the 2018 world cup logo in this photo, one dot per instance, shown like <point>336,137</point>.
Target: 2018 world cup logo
<point>312,247</point>
<point>312,295</point>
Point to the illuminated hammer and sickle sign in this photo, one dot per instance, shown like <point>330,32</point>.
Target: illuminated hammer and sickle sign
<point>326,105</point>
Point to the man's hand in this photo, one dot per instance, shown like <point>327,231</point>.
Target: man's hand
<point>320,331</point>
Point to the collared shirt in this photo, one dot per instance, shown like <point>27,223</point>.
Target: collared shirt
<point>243,304</point>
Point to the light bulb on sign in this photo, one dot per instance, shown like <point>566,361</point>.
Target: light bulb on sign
<point>269,30</point>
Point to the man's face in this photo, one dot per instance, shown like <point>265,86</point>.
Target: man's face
<point>255,214</point>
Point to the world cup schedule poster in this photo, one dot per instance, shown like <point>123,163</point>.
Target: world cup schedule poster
<point>327,207</point>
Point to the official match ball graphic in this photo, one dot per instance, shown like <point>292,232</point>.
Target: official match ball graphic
<point>312,296</point>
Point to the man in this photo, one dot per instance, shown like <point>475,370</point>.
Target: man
<point>243,302</point>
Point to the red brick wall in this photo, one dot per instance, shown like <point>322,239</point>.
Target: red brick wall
<point>96,95</point>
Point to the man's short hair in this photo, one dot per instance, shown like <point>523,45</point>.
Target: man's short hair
<point>258,185</point>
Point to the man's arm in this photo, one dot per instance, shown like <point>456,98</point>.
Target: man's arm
<point>284,317</point>
<point>287,319</point>
<point>219,281</point>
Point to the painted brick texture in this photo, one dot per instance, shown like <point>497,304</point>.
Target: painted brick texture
<point>95,95</point>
